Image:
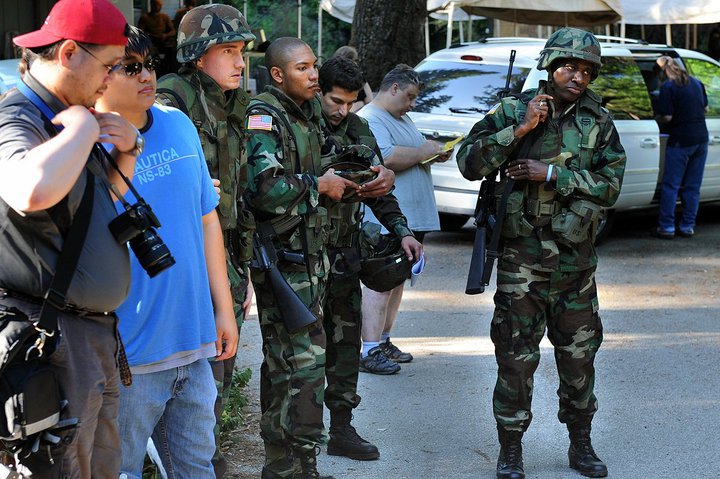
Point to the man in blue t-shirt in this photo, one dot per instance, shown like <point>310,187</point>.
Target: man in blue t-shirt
<point>172,323</point>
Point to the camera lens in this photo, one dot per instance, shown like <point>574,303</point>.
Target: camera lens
<point>153,255</point>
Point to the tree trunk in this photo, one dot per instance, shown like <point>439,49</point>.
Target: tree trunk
<point>386,33</point>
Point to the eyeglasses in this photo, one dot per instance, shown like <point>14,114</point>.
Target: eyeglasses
<point>110,68</point>
<point>573,68</point>
<point>134,68</point>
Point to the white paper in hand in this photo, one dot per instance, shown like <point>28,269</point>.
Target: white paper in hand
<point>417,269</point>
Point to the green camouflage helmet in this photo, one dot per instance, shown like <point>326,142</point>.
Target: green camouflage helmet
<point>353,163</point>
<point>208,25</point>
<point>571,43</point>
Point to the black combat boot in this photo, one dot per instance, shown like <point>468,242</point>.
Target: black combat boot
<point>510,461</point>
<point>345,441</point>
<point>308,463</point>
<point>581,454</point>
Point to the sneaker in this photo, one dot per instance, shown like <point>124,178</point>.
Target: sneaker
<point>377,363</point>
<point>394,353</point>
<point>662,234</point>
<point>686,233</point>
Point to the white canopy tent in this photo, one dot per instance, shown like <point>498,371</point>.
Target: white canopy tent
<point>558,13</point>
<point>669,12</point>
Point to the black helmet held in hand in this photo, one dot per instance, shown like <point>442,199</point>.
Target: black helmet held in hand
<point>384,264</point>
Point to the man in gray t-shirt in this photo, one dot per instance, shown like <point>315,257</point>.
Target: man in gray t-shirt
<point>404,149</point>
<point>42,179</point>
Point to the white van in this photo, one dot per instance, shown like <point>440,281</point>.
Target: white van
<point>462,83</point>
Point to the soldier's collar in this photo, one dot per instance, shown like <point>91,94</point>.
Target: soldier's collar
<point>310,110</point>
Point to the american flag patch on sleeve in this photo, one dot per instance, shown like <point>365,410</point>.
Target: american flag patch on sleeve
<point>259,122</point>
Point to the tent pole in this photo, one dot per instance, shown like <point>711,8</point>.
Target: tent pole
<point>448,37</point>
<point>668,34</point>
<point>687,36</point>
<point>642,31</point>
<point>607,30</point>
<point>299,18</point>
<point>427,36</point>
<point>319,50</point>
<point>622,31</point>
<point>469,28</point>
<point>462,33</point>
<point>695,36</point>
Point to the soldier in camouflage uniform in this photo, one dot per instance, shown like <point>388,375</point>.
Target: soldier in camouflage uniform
<point>285,189</point>
<point>340,82</point>
<point>211,40</point>
<point>561,149</point>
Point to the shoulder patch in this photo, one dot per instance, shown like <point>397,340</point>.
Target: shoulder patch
<point>259,122</point>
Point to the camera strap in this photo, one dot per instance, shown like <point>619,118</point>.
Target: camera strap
<point>54,300</point>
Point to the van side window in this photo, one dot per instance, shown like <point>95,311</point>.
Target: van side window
<point>623,89</point>
<point>709,74</point>
<point>464,87</point>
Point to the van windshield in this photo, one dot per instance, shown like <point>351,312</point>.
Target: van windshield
<point>463,87</point>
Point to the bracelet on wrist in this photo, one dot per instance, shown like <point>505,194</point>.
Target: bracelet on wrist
<point>549,174</point>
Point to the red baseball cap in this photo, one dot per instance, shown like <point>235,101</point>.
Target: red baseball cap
<point>88,21</point>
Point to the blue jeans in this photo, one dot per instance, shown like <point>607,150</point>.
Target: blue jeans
<point>175,408</point>
<point>684,167</point>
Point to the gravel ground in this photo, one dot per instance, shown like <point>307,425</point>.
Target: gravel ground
<point>657,380</point>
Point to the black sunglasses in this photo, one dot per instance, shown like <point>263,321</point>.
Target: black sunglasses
<point>132,69</point>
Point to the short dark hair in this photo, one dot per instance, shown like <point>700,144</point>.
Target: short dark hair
<point>139,42</point>
<point>340,72</point>
<point>280,51</point>
<point>403,75</point>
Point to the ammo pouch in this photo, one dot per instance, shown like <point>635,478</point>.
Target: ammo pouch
<point>316,227</point>
<point>242,238</point>
<point>515,223</point>
<point>577,222</point>
<point>30,399</point>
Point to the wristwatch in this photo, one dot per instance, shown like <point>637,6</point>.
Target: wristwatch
<point>139,145</point>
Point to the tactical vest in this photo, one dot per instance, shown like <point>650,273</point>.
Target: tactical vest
<point>538,204</point>
<point>345,217</point>
<point>301,143</point>
<point>222,137</point>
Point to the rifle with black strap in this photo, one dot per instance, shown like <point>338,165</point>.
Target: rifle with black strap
<point>488,219</point>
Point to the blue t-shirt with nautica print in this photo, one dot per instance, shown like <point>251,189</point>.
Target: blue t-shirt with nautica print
<point>172,312</point>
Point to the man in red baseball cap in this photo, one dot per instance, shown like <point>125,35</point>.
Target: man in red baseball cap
<point>52,175</point>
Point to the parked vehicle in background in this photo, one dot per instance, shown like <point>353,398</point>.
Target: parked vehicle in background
<point>9,74</point>
<point>462,83</point>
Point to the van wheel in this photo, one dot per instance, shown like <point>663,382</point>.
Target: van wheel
<point>450,222</point>
<point>605,224</point>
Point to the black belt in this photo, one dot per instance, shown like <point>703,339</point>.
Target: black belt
<point>68,308</point>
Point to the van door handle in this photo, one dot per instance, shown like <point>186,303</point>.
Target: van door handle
<point>649,143</point>
<point>715,140</point>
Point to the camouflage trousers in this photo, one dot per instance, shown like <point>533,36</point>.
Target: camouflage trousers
<point>528,302</point>
<point>223,370</point>
<point>342,318</point>
<point>292,375</point>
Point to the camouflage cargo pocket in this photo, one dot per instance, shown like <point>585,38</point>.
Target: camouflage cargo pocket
<point>574,224</point>
<point>515,223</point>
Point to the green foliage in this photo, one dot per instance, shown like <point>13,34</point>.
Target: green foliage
<point>709,75</point>
<point>278,18</point>
<point>232,416</point>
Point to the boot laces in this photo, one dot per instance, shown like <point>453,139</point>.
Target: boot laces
<point>308,462</point>
<point>513,453</point>
<point>350,433</point>
<point>583,445</point>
